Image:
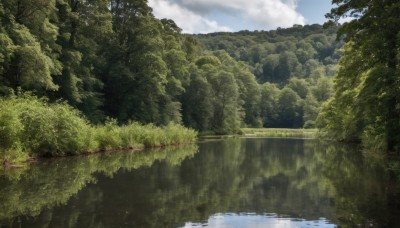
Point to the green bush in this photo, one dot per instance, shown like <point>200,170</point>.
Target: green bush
<point>41,129</point>
<point>10,126</point>
<point>131,135</point>
<point>30,126</point>
<point>108,135</point>
<point>374,139</point>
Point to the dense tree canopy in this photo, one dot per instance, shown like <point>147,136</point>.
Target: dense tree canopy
<point>113,58</point>
<point>366,102</point>
<point>278,55</point>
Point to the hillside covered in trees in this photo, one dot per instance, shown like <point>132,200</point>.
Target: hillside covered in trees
<point>278,55</point>
<point>113,58</point>
<point>293,66</point>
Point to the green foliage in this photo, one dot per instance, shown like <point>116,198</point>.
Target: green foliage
<point>300,86</point>
<point>222,95</point>
<point>41,129</point>
<point>311,110</point>
<point>135,135</point>
<point>197,101</point>
<point>278,55</point>
<point>31,127</point>
<point>114,59</point>
<point>28,56</point>
<point>280,132</point>
<point>83,29</point>
<point>108,136</point>
<point>300,58</point>
<point>269,99</point>
<point>323,89</point>
<point>373,138</point>
<point>365,105</point>
<point>289,109</point>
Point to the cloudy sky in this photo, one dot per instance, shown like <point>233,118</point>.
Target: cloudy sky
<point>204,16</point>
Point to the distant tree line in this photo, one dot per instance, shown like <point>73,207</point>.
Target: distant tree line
<point>278,55</point>
<point>294,68</point>
<point>113,58</point>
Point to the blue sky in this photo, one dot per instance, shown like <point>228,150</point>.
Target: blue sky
<point>204,16</point>
<point>314,10</point>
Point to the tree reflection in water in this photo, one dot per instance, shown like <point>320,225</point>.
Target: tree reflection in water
<point>292,178</point>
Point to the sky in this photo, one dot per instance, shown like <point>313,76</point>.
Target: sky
<point>205,16</point>
<point>258,221</point>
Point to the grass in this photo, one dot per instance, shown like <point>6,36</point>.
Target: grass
<point>31,127</point>
<point>280,132</point>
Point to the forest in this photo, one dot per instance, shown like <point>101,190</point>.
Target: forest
<point>114,59</point>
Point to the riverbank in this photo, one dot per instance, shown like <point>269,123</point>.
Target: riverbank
<point>263,132</point>
<point>31,127</point>
<point>280,132</point>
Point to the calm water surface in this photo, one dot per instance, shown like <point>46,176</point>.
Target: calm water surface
<point>242,182</point>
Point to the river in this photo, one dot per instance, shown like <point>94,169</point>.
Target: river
<point>235,182</point>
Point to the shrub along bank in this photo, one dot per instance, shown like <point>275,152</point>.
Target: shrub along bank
<point>31,127</point>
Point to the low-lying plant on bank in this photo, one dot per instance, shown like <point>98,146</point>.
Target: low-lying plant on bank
<point>279,132</point>
<point>31,127</point>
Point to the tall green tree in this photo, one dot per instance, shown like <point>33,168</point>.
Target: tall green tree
<point>248,89</point>
<point>290,111</point>
<point>300,86</point>
<point>136,74</point>
<point>311,109</point>
<point>83,28</point>
<point>178,76</point>
<point>366,104</point>
<point>28,54</point>
<point>323,89</point>
<point>226,102</point>
<point>197,101</point>
<point>269,100</point>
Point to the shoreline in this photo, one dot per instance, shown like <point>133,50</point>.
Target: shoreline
<point>31,160</point>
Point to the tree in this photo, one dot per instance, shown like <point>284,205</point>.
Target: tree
<point>197,101</point>
<point>29,55</point>
<point>226,102</point>
<point>136,73</point>
<point>83,28</point>
<point>271,62</point>
<point>367,85</point>
<point>323,89</point>
<point>311,109</point>
<point>289,109</point>
<point>305,51</point>
<point>250,95</point>
<point>288,64</point>
<point>268,103</point>
<point>248,88</point>
<point>300,86</point>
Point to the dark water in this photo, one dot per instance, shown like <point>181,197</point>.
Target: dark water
<point>229,183</point>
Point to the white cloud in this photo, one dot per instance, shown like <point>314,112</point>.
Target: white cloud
<point>188,21</point>
<point>273,13</point>
<point>191,15</point>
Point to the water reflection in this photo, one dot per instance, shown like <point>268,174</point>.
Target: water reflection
<point>53,182</point>
<point>257,221</point>
<point>298,181</point>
